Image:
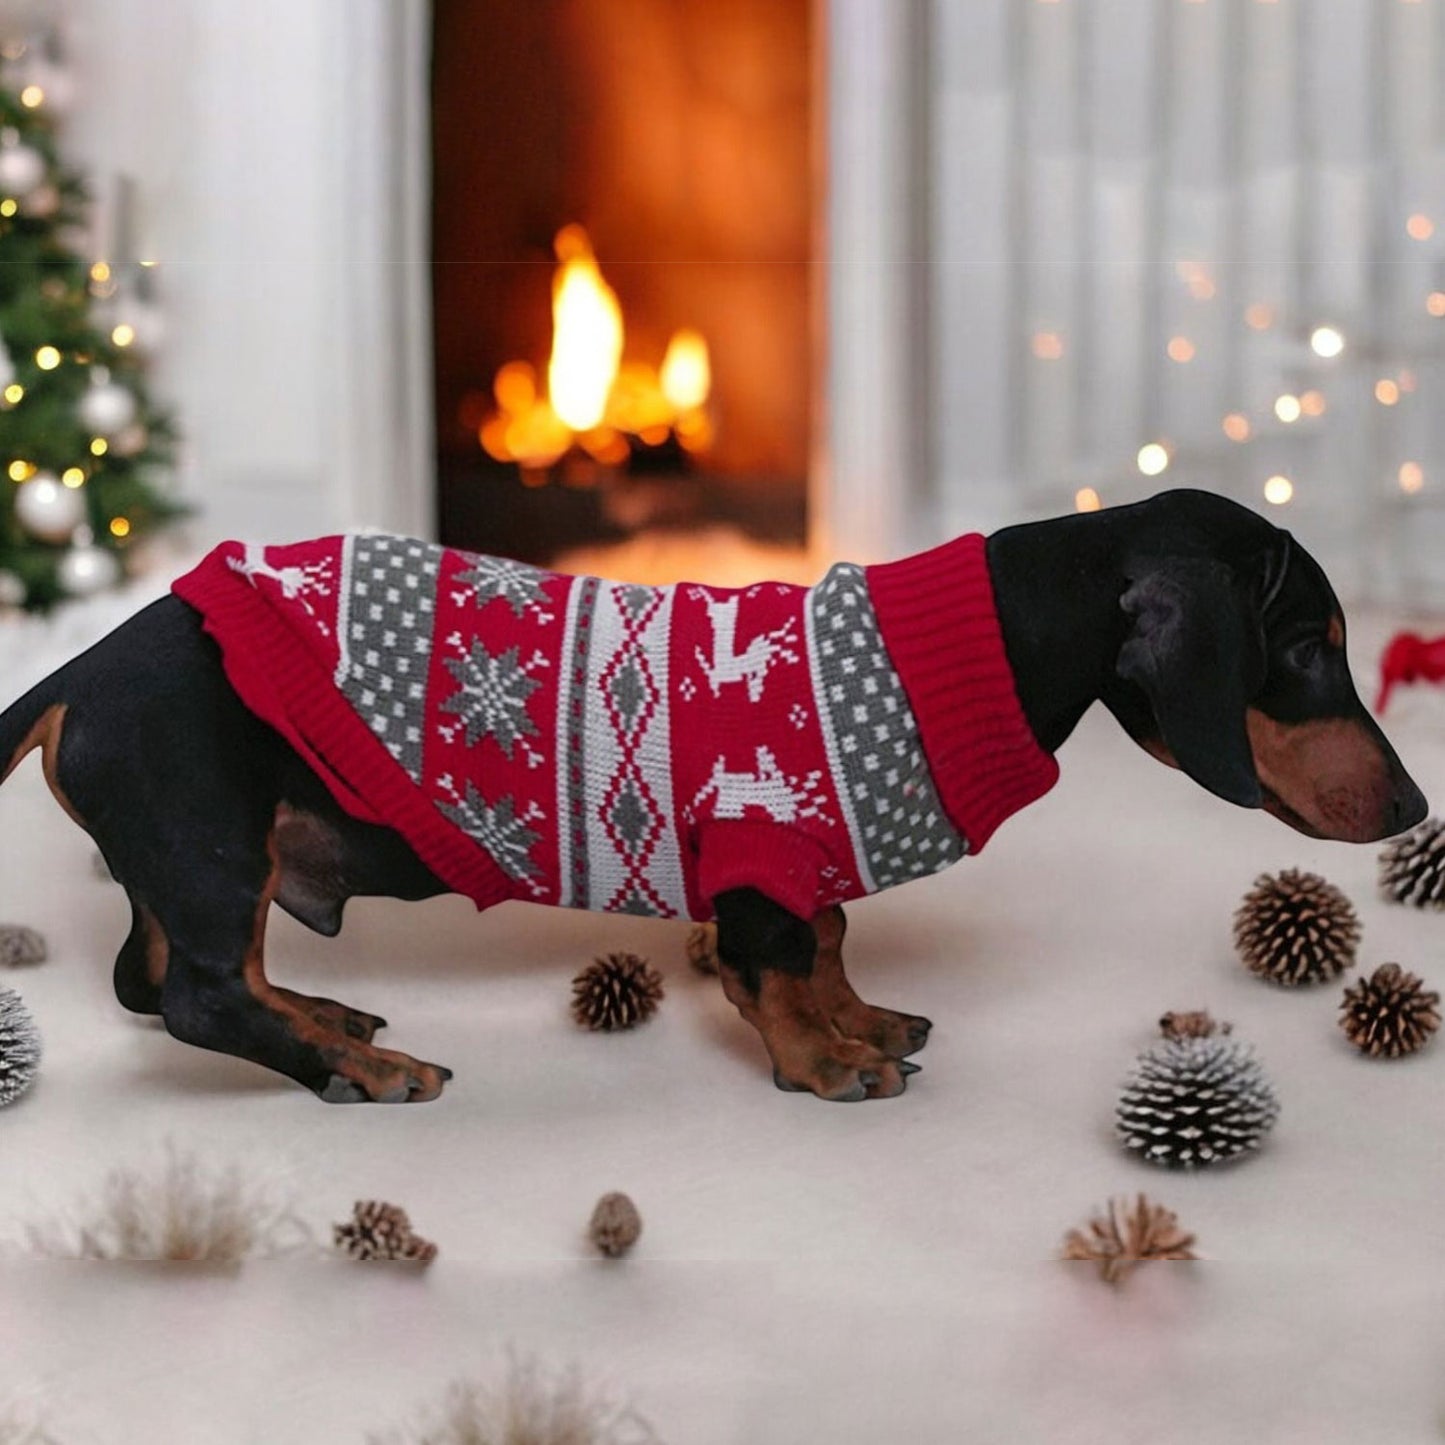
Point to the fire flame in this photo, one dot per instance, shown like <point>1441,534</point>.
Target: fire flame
<point>594,398</point>
<point>586,334</point>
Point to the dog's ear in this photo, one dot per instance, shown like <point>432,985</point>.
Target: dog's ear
<point>1198,659</point>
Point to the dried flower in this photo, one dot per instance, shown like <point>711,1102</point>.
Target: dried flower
<point>1128,1235</point>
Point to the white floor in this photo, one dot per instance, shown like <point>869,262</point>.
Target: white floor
<point>809,1272</point>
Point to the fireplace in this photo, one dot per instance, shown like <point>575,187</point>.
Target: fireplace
<point>625,205</point>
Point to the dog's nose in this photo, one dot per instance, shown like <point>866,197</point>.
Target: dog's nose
<point>1407,807</point>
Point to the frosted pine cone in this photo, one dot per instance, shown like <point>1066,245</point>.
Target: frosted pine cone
<point>1295,928</point>
<point>19,1047</point>
<point>616,1225</point>
<point>616,992</point>
<point>1412,868</point>
<point>1390,1013</point>
<point>702,948</point>
<point>20,946</point>
<point>381,1231</point>
<point>1194,1101</point>
<point>1128,1235</point>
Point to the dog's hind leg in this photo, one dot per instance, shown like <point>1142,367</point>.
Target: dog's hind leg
<point>892,1033</point>
<point>216,993</point>
<point>140,966</point>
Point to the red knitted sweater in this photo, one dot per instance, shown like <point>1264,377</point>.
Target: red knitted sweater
<point>635,749</point>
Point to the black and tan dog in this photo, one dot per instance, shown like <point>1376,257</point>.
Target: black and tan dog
<point>1212,637</point>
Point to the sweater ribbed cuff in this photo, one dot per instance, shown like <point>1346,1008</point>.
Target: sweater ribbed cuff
<point>936,611</point>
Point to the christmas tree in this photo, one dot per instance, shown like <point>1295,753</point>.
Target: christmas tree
<point>80,440</point>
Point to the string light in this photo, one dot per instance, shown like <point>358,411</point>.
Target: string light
<point>123,334</point>
<point>1435,303</point>
<point>47,358</point>
<point>14,392</point>
<point>1153,458</point>
<point>73,477</point>
<point>1278,490</point>
<point>9,206</point>
<point>119,527</point>
<point>19,471</point>
<point>1287,408</point>
<point>1258,316</point>
<point>1412,477</point>
<point>1313,403</point>
<point>1419,227</point>
<point>1180,349</point>
<point>32,97</point>
<point>1086,499</point>
<point>1326,341</point>
<point>1048,345</point>
<point>1236,426</point>
<point>1387,393</point>
<point>99,446</point>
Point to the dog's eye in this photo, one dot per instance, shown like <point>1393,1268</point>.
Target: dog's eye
<point>1305,653</point>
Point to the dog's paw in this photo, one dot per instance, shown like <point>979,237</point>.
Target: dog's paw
<point>379,1076</point>
<point>841,1083</point>
<point>896,1035</point>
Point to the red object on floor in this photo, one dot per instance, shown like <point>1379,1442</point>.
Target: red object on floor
<point>1408,657</point>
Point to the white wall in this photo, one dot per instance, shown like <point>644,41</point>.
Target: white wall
<point>273,142</point>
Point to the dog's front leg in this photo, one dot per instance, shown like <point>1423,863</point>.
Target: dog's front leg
<point>893,1033</point>
<point>769,961</point>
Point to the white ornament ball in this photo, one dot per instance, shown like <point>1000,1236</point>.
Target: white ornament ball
<point>22,169</point>
<point>107,408</point>
<point>12,590</point>
<point>47,509</point>
<point>86,569</point>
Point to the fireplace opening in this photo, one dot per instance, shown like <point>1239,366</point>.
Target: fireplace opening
<point>624,215</point>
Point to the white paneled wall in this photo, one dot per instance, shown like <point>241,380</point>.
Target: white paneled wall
<point>1050,220</point>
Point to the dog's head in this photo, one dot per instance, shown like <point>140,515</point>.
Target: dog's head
<point>1232,667</point>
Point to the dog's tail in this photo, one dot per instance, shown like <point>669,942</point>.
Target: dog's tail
<point>29,723</point>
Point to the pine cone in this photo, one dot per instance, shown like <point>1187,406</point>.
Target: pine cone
<point>1412,868</point>
<point>381,1231</point>
<point>19,1047</point>
<point>20,946</point>
<point>1294,928</point>
<point>616,992</point>
<point>1390,1013</point>
<point>616,1225</point>
<point>1196,1025</point>
<point>702,948</point>
<point>1196,1101</point>
<point>1129,1235</point>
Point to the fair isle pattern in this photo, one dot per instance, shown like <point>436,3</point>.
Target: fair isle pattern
<point>385,619</point>
<point>895,818</point>
<point>572,874</point>
<point>634,855</point>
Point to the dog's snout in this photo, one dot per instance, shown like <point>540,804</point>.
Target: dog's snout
<point>1407,807</point>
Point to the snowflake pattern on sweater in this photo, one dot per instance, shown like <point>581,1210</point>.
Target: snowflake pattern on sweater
<point>605,745</point>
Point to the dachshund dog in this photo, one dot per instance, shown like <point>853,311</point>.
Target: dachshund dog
<point>203,776</point>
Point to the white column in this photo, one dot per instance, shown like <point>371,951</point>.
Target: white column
<point>873,501</point>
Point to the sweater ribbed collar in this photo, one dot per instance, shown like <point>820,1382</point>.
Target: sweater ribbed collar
<point>939,624</point>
